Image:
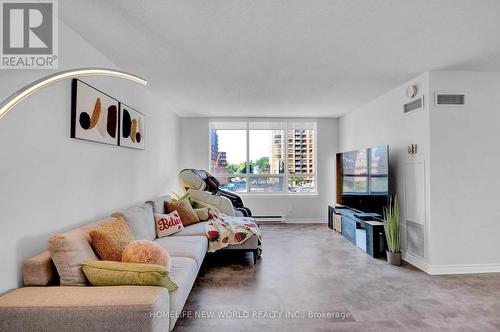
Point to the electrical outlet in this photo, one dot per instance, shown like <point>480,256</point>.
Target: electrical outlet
<point>412,149</point>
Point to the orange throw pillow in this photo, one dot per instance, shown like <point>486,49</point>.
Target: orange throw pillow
<point>110,240</point>
<point>185,211</point>
<point>146,252</point>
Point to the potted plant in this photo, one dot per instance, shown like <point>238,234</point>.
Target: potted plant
<point>391,226</point>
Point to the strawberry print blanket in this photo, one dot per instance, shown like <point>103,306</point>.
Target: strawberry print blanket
<point>223,231</point>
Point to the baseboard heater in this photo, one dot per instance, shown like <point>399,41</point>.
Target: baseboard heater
<point>270,219</point>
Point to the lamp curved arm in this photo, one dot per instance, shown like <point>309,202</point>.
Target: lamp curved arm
<point>31,88</point>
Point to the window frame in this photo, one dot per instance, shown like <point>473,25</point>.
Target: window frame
<point>285,175</point>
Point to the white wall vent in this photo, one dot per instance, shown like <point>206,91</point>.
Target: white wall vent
<point>449,99</point>
<point>413,105</point>
<point>415,239</point>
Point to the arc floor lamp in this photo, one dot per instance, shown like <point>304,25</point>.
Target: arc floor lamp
<point>9,103</point>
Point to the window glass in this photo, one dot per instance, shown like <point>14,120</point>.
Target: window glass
<point>301,151</point>
<point>266,184</point>
<point>280,157</point>
<point>267,152</point>
<point>233,184</point>
<point>228,151</point>
<point>301,184</point>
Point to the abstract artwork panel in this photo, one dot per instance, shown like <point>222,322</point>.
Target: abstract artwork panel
<point>94,114</point>
<point>132,128</point>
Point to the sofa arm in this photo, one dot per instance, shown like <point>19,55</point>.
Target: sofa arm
<point>219,203</point>
<point>39,270</point>
<point>67,308</point>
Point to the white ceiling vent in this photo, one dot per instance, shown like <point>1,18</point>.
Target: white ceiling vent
<point>413,105</point>
<point>449,99</point>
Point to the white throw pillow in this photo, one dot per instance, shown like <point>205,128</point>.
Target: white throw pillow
<point>168,224</point>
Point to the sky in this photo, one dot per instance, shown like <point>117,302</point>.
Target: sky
<point>233,142</point>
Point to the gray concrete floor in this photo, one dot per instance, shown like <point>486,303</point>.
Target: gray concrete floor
<point>310,270</point>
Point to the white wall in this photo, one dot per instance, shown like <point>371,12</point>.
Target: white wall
<point>49,182</point>
<point>195,154</point>
<point>465,163</point>
<point>382,122</point>
<point>458,146</point>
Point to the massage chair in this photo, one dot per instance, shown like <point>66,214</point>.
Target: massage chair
<point>204,189</point>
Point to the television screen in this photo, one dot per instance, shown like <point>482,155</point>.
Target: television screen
<point>355,171</point>
<point>365,171</point>
<point>364,178</point>
<point>379,170</point>
<point>355,162</point>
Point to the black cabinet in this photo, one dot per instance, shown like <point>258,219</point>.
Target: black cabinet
<point>349,228</point>
<point>364,230</point>
<point>331,211</point>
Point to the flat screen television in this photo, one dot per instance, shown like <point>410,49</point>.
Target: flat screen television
<point>363,179</point>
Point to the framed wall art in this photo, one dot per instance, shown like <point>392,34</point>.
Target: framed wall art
<point>132,128</point>
<point>94,114</point>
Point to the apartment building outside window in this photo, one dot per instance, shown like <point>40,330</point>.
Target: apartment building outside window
<point>264,157</point>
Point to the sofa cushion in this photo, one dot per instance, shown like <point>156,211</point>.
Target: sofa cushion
<point>194,247</point>
<point>68,250</point>
<point>110,240</point>
<point>140,220</point>
<point>194,229</point>
<point>203,213</point>
<point>158,204</point>
<point>185,211</point>
<point>39,270</point>
<point>85,309</point>
<point>146,252</point>
<point>184,271</point>
<point>111,273</point>
<point>168,224</point>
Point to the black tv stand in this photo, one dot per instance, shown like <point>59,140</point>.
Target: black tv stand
<point>365,230</point>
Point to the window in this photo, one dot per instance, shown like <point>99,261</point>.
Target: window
<point>280,156</point>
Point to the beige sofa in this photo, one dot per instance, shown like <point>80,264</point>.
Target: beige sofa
<point>43,305</point>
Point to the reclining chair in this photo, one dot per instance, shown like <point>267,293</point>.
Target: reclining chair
<point>204,189</point>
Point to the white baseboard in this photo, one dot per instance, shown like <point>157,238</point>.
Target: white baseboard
<point>463,269</point>
<point>449,269</point>
<point>305,221</point>
<point>415,261</point>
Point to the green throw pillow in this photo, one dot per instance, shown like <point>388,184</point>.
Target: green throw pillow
<point>111,273</point>
<point>202,213</point>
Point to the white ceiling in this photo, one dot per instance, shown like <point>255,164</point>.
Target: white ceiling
<point>286,57</point>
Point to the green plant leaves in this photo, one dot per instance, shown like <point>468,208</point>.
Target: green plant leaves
<point>178,198</point>
<point>391,225</point>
